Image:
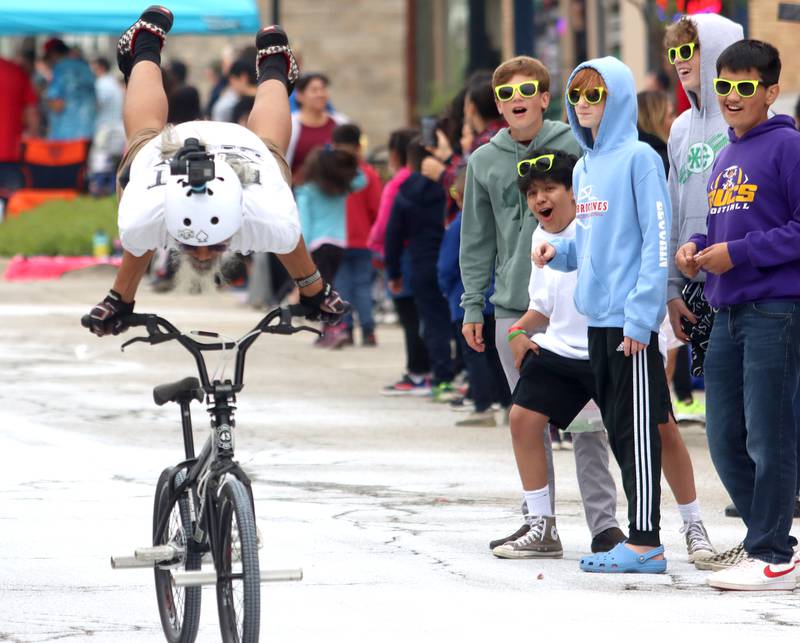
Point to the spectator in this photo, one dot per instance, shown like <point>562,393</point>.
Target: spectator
<point>354,279</point>
<point>70,95</point>
<point>655,116</point>
<point>18,115</point>
<point>183,105</point>
<point>218,82</point>
<point>332,174</point>
<point>487,383</point>
<point>242,78</point>
<point>414,380</point>
<point>242,110</point>
<point>109,134</point>
<point>178,72</point>
<point>417,219</point>
<point>654,122</point>
<point>751,254</point>
<point>312,125</point>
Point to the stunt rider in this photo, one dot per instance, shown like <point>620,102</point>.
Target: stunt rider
<point>206,187</point>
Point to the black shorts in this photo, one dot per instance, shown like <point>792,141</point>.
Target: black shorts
<point>555,386</point>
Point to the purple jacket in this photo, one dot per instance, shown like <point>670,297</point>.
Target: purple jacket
<point>754,206</point>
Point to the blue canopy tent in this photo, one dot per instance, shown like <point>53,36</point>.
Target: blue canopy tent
<point>39,17</point>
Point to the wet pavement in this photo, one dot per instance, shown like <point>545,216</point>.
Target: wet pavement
<point>384,503</point>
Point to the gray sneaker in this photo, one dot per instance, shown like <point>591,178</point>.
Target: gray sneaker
<point>541,541</point>
<point>698,544</point>
<point>724,560</point>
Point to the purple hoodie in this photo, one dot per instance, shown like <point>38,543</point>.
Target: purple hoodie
<point>754,205</point>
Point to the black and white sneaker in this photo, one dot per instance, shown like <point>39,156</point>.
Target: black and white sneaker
<point>540,541</point>
<point>273,40</point>
<point>724,560</point>
<point>519,533</point>
<point>155,19</point>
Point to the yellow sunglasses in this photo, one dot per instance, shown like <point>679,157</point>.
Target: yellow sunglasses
<point>543,163</point>
<point>745,88</point>
<point>527,89</point>
<point>681,53</point>
<point>592,95</point>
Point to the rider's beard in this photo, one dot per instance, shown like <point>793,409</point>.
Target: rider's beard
<point>199,277</point>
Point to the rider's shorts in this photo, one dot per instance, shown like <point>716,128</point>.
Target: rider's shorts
<point>143,137</point>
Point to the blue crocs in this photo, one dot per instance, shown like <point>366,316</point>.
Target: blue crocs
<point>622,560</point>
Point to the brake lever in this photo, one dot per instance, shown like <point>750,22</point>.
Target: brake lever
<point>152,340</point>
<point>146,340</point>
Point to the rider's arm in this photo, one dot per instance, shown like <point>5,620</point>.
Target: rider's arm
<point>130,274</point>
<point>298,264</point>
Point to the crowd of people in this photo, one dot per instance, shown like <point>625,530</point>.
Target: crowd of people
<point>663,248</point>
<point>549,269</point>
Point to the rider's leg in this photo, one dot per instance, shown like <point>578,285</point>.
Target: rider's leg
<point>270,117</point>
<point>145,105</point>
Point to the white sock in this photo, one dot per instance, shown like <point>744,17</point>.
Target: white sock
<point>538,502</point>
<point>690,512</point>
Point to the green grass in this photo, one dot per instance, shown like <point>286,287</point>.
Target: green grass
<point>59,227</point>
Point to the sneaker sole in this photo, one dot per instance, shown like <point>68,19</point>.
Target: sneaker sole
<point>703,554</point>
<point>706,566</point>
<point>776,586</point>
<point>499,552</point>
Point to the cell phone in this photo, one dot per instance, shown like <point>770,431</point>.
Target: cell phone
<point>428,127</point>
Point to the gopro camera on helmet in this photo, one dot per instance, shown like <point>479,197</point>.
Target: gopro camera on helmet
<point>193,161</point>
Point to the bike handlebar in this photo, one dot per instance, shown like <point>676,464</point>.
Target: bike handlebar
<point>160,330</point>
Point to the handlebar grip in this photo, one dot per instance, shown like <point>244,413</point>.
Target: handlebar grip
<point>134,319</point>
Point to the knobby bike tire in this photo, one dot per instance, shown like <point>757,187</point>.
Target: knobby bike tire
<point>238,600</point>
<point>178,607</point>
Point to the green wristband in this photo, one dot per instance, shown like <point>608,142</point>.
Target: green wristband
<point>515,333</point>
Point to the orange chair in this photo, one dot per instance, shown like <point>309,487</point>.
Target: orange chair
<point>52,170</point>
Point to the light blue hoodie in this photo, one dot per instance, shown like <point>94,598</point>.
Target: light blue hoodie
<point>623,216</point>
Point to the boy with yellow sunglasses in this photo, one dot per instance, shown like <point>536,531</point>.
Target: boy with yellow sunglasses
<point>751,256</point>
<point>692,45</point>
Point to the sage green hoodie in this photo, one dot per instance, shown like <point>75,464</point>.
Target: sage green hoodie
<point>496,224</point>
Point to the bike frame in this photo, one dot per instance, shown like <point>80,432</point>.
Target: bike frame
<point>216,457</point>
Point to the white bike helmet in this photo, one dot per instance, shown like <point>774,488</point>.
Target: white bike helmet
<point>208,216</point>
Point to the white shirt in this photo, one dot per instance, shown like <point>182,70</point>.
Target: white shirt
<point>550,294</point>
<point>270,219</point>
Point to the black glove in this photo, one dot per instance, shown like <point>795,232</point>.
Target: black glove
<point>327,305</point>
<point>108,317</point>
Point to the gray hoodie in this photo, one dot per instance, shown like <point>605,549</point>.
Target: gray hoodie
<point>696,137</point>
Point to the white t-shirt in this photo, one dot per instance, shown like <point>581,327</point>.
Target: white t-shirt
<point>270,220</point>
<point>551,294</point>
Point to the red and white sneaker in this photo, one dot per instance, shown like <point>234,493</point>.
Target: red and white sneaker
<point>751,574</point>
<point>273,40</point>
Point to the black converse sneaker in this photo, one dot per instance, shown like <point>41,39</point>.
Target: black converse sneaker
<point>273,40</point>
<point>156,20</point>
<point>517,534</point>
<point>540,541</point>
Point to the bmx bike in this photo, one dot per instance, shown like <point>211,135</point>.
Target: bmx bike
<point>204,510</point>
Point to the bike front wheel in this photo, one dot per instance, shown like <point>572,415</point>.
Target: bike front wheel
<point>178,607</point>
<point>238,578</point>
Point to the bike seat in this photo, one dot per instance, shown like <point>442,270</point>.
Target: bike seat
<point>187,389</point>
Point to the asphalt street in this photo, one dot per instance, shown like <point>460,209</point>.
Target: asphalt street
<point>385,504</point>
